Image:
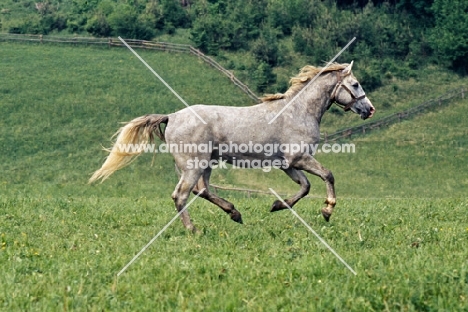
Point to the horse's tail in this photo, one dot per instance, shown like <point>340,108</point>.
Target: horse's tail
<point>128,144</point>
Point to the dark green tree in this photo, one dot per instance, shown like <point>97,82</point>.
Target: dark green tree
<point>173,14</point>
<point>263,77</point>
<point>449,38</point>
<point>265,48</point>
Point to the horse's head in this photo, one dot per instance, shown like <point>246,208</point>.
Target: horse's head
<point>349,94</point>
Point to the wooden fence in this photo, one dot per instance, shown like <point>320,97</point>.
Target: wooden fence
<point>396,117</point>
<point>139,44</point>
<point>249,192</point>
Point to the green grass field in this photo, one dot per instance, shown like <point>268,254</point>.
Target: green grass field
<point>64,253</point>
<point>400,221</point>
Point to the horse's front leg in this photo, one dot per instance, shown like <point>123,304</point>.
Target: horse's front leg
<point>312,166</point>
<point>300,178</point>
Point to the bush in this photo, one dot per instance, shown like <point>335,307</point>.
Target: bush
<point>145,27</point>
<point>154,10</point>
<point>369,78</point>
<point>313,43</point>
<point>76,23</point>
<point>98,26</point>
<point>170,29</point>
<point>32,25</point>
<point>123,21</point>
<point>213,32</point>
<point>59,22</point>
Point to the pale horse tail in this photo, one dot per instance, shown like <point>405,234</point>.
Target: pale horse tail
<point>127,146</point>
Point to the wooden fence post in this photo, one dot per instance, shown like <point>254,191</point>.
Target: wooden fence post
<point>109,42</point>
<point>40,38</point>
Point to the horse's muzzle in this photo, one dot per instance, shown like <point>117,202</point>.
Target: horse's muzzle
<point>369,112</point>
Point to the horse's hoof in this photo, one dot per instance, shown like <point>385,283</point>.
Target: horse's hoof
<point>326,215</point>
<point>236,217</point>
<point>277,206</point>
<point>193,229</point>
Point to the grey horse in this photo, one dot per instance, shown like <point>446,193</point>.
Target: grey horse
<point>239,126</point>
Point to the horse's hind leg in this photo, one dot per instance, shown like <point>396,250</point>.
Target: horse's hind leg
<point>204,183</point>
<point>298,177</point>
<point>181,193</point>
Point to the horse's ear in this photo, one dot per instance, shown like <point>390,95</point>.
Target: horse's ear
<point>347,70</point>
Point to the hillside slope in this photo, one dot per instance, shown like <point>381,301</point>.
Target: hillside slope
<point>59,104</point>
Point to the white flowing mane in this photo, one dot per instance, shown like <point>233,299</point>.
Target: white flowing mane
<point>300,80</point>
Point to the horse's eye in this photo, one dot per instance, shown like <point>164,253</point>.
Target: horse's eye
<point>356,84</point>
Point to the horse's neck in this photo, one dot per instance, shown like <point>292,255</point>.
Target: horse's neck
<point>317,97</point>
<point>312,103</point>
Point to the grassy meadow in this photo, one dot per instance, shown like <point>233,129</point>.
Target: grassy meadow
<point>401,220</point>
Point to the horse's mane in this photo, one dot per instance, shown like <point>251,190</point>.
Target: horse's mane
<point>299,81</point>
